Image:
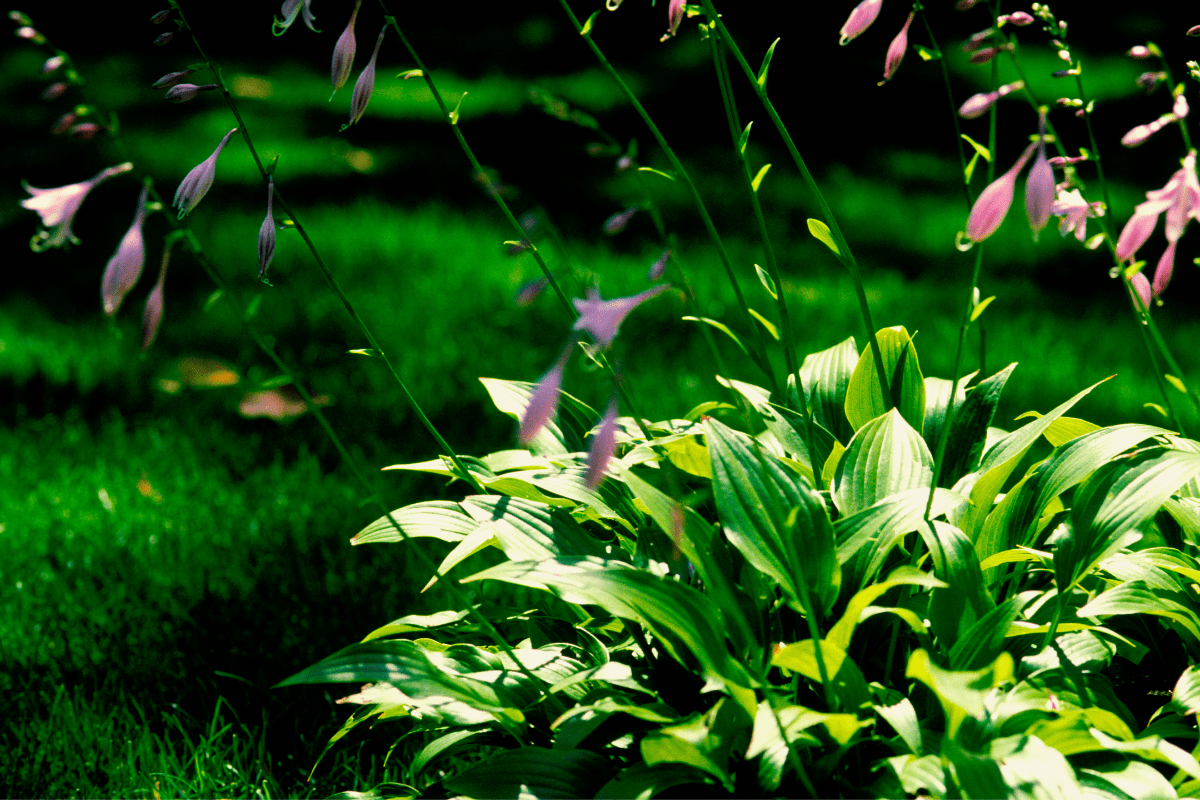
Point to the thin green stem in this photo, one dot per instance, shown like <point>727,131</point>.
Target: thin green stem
<point>958,140</point>
<point>760,356</point>
<point>329,277</point>
<point>843,248</point>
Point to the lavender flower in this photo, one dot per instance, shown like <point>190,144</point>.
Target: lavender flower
<point>197,183</point>
<point>604,444</point>
<point>57,208</point>
<point>993,202</point>
<point>153,313</point>
<point>343,52</point>
<point>365,84</point>
<point>859,20</point>
<point>125,267</point>
<point>895,53</point>
<point>1075,211</point>
<point>1039,186</point>
<point>543,403</point>
<point>182,92</point>
<point>291,8</point>
<point>266,234</point>
<point>170,79</point>
<point>602,318</point>
<point>1180,200</point>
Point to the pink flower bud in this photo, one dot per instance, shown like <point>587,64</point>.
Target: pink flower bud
<point>675,11</point>
<point>52,63</point>
<point>54,91</point>
<point>859,20</point>
<point>64,123</point>
<point>31,34</point>
<point>1138,135</point>
<point>896,50</point>
<point>365,84</point>
<point>977,39</point>
<point>977,105</point>
<point>1136,231</point>
<point>604,444</point>
<point>343,52</point>
<point>624,163</point>
<point>543,403</point>
<point>85,130</point>
<point>197,182</point>
<point>182,92</point>
<point>1180,109</point>
<point>993,202</point>
<point>1140,285</point>
<point>266,234</point>
<point>125,267</point>
<point>1061,161</point>
<point>965,5</point>
<point>161,17</point>
<point>1039,185</point>
<point>152,314</point>
<point>19,18</point>
<point>1138,51</point>
<point>1018,18</point>
<point>659,267</point>
<point>170,79</point>
<point>1150,80</point>
<point>1193,31</point>
<point>529,291</point>
<point>617,222</point>
<point>985,55</point>
<point>164,38</point>
<point>1162,273</point>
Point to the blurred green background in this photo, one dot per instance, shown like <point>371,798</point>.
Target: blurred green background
<point>159,551</point>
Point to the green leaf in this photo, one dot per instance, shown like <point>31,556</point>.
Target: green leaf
<point>686,621</point>
<point>566,435</point>
<point>643,781</point>
<point>586,30</point>
<point>1185,697</point>
<point>435,518</point>
<point>937,401</point>
<point>758,177</point>
<point>864,395</point>
<point>370,352</point>
<point>745,137</point>
<point>418,622</point>
<point>849,686</point>
<point>530,531</point>
<point>968,430</point>
<point>983,641</point>
<point>1154,747</point>
<point>534,772</point>
<point>839,635</point>
<point>978,309</point>
<point>1135,779</point>
<point>999,462</point>
<point>447,744</point>
<point>707,551</point>
<point>953,611</point>
<point>723,328</point>
<point>788,427</point>
<point>778,522</point>
<point>767,282</point>
<point>766,65</point>
<point>1135,597</point>
<point>658,172</point>
<point>772,744</point>
<point>825,376</point>
<point>984,153</point>
<point>961,693</point>
<point>766,323</point>
<point>885,457</point>
<point>820,232</point>
<point>898,711</point>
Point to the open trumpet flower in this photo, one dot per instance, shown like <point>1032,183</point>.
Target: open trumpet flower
<point>57,208</point>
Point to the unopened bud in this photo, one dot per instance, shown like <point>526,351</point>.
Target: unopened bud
<point>1064,73</point>
<point>965,5</point>
<point>161,17</point>
<point>529,291</point>
<point>1018,18</point>
<point>1150,80</point>
<point>1061,161</point>
<point>164,38</point>
<point>1138,51</point>
<point>85,130</point>
<point>1069,102</point>
<point>985,55</point>
<point>54,90</point>
<point>977,39</point>
<point>1180,109</point>
<point>1194,30</point>
<point>624,163</point>
<point>183,92</point>
<point>659,267</point>
<point>64,123</point>
<point>1065,55</point>
<point>170,79</point>
<point>19,18</point>
<point>617,222</point>
<point>52,63</point>
<point>30,34</point>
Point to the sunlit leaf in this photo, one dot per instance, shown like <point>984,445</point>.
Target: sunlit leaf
<point>885,457</point>
<point>435,518</point>
<point>864,394</point>
<point>534,772</point>
<point>961,693</point>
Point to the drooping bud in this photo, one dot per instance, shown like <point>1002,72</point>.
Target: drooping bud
<point>675,11</point>
<point>543,403</point>
<point>197,182</point>
<point>979,104</point>
<point>1193,31</point>
<point>529,291</point>
<point>859,20</point>
<point>52,63</point>
<point>985,55</point>
<point>977,39</point>
<point>365,84</point>
<point>31,34</point>
<point>617,222</point>
<point>170,79</point>
<point>896,50</point>
<point>85,130</point>
<point>182,92</point>
<point>266,234</point>
<point>1141,286</point>
<point>604,444</point>
<point>659,267</point>
<point>343,52</point>
<point>152,314</point>
<point>125,267</point>
<point>64,123</point>
<point>54,91</point>
<point>993,202</point>
<point>161,17</point>
<point>164,38</point>
<point>1039,185</point>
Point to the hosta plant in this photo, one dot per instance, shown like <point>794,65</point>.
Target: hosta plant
<point>735,611</point>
